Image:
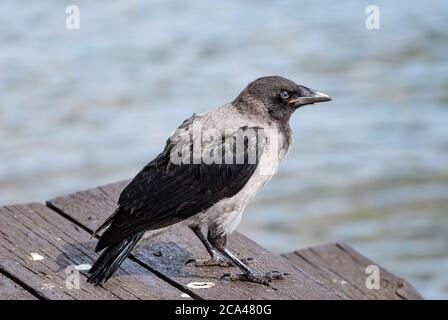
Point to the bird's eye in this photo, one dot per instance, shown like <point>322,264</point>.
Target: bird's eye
<point>284,95</point>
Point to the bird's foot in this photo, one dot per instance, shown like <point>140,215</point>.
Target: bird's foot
<point>213,262</point>
<point>262,278</point>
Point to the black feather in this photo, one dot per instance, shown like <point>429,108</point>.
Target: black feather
<point>164,193</point>
<point>111,259</point>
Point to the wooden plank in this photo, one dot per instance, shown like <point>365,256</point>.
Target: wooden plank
<point>9,290</point>
<point>339,266</point>
<point>37,245</point>
<point>167,251</point>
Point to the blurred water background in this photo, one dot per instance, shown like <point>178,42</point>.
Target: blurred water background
<point>83,108</point>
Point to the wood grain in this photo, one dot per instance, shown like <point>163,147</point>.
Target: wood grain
<point>37,245</point>
<point>165,252</point>
<point>339,266</point>
<point>9,290</point>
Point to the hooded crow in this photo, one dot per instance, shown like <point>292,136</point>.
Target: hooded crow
<point>209,170</point>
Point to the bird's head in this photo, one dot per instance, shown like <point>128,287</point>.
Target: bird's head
<point>278,96</point>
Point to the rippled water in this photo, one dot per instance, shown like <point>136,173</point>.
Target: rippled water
<point>83,108</point>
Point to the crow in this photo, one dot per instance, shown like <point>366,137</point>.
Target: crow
<point>209,170</point>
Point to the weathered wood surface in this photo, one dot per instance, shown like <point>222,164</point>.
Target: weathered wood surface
<point>38,243</point>
<point>166,253</point>
<point>340,267</point>
<point>9,290</point>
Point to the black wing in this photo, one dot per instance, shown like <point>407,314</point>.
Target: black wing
<point>164,193</point>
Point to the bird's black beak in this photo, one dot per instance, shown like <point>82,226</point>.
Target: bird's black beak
<point>308,96</point>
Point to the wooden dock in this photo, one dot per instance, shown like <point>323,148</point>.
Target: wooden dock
<point>42,247</point>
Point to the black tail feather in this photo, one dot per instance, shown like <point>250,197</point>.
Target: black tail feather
<point>111,259</point>
<point>107,222</point>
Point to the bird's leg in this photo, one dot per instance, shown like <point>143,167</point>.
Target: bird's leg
<point>248,274</point>
<point>216,260</point>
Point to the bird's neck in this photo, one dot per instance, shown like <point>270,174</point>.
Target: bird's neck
<point>250,107</point>
<point>255,112</point>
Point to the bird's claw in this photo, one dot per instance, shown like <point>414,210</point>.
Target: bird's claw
<point>264,279</point>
